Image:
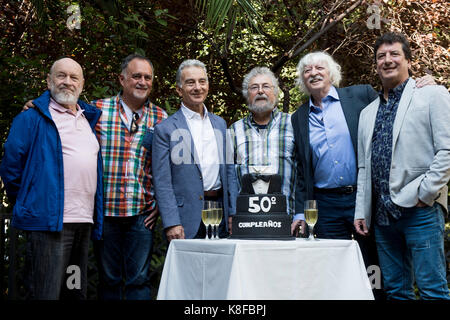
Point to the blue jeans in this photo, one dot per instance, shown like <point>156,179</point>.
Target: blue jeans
<point>412,248</point>
<point>124,256</point>
<point>48,254</point>
<point>336,215</point>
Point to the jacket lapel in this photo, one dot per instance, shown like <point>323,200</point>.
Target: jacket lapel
<point>304,128</point>
<point>351,117</point>
<point>181,123</point>
<point>369,123</point>
<point>402,108</point>
<point>218,133</point>
<point>220,142</point>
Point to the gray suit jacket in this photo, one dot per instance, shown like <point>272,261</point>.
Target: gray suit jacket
<point>420,166</point>
<point>177,177</point>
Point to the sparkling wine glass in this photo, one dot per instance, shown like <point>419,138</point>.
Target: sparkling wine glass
<point>207,213</point>
<point>218,218</point>
<point>311,215</point>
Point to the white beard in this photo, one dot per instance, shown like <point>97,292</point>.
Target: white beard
<point>267,106</point>
<point>261,108</point>
<point>64,97</point>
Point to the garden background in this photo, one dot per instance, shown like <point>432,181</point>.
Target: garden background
<point>229,36</point>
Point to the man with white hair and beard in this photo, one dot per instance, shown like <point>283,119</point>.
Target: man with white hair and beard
<point>265,138</point>
<point>52,171</point>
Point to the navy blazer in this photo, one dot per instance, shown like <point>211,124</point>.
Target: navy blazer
<point>353,99</point>
<point>177,177</point>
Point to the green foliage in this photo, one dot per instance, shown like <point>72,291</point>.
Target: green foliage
<point>230,36</point>
<point>225,13</point>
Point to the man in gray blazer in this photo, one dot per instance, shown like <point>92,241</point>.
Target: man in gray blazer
<point>404,168</point>
<point>188,159</point>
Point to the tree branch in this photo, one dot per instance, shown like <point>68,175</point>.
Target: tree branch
<point>328,27</point>
<point>223,55</point>
<point>292,53</point>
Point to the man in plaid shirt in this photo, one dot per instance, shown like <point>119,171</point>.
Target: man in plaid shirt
<point>264,138</point>
<point>125,130</point>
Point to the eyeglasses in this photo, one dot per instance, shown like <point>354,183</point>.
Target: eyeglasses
<point>264,87</point>
<point>134,126</point>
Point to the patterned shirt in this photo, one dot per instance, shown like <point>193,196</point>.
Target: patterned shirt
<point>272,146</point>
<point>382,155</point>
<point>126,158</point>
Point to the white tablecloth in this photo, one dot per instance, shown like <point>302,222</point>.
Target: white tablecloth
<point>264,270</point>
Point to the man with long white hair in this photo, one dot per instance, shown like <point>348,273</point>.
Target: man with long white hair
<point>325,135</point>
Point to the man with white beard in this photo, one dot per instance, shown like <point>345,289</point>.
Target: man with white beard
<point>264,140</point>
<point>52,171</point>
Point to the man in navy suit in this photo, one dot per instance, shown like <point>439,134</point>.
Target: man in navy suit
<point>325,130</point>
<point>188,159</point>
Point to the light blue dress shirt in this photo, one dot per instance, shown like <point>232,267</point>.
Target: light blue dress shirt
<point>333,156</point>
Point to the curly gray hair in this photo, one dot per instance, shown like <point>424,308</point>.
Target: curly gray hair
<point>257,71</point>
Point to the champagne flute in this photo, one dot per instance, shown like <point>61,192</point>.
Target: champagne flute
<point>311,215</point>
<point>212,217</point>
<point>206,215</point>
<point>219,214</point>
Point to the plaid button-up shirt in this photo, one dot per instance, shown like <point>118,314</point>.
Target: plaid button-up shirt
<point>273,146</point>
<point>126,158</point>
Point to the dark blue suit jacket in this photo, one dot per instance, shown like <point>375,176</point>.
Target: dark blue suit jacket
<point>177,176</point>
<point>353,99</point>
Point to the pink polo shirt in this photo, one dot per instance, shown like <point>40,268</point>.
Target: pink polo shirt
<point>80,150</point>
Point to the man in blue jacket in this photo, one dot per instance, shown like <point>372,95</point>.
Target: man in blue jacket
<point>52,172</point>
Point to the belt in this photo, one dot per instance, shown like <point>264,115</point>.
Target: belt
<point>213,193</point>
<point>340,190</point>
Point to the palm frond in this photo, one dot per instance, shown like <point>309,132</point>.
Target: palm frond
<point>221,14</point>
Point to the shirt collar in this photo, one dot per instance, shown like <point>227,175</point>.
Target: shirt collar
<point>394,93</point>
<point>56,106</point>
<point>140,110</point>
<point>128,110</point>
<point>273,115</point>
<point>189,114</point>
<point>331,95</point>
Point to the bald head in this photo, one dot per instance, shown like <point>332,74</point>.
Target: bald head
<point>67,63</point>
<point>65,82</point>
